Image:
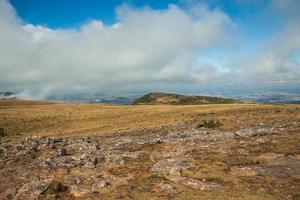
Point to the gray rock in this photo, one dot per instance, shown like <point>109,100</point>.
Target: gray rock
<point>80,159</point>
<point>52,140</point>
<point>258,131</point>
<point>65,161</point>
<point>82,147</point>
<point>99,159</point>
<point>194,183</point>
<point>203,185</point>
<point>99,186</point>
<point>100,183</point>
<point>134,155</point>
<point>167,188</point>
<point>62,152</point>
<point>34,145</point>
<point>171,167</point>
<point>48,163</point>
<point>90,164</point>
<point>123,143</point>
<point>3,150</point>
<point>114,159</point>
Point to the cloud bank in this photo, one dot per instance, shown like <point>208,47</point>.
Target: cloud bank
<point>146,48</point>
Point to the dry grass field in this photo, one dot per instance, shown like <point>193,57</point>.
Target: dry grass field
<point>26,118</point>
<point>18,102</point>
<point>93,151</point>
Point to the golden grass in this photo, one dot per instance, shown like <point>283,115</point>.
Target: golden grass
<point>73,119</point>
<point>17,102</point>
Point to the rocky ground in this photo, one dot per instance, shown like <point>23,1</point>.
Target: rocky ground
<point>173,162</point>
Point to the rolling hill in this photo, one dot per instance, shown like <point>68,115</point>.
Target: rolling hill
<point>158,98</point>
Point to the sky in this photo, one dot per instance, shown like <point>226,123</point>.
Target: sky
<point>55,47</point>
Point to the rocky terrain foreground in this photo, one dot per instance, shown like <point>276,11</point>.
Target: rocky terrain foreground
<point>260,160</point>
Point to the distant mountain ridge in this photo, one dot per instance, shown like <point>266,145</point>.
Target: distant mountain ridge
<point>7,95</point>
<point>157,98</point>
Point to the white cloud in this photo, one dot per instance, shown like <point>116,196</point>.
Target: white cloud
<point>275,62</point>
<point>144,46</point>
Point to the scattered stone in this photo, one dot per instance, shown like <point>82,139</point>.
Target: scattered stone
<point>171,167</point>
<point>114,159</point>
<point>203,185</point>
<point>99,159</point>
<point>159,141</point>
<point>34,145</point>
<point>48,163</point>
<point>167,188</point>
<point>259,141</point>
<point>91,163</point>
<point>82,147</point>
<point>172,152</point>
<point>258,131</point>
<point>97,187</point>
<point>52,140</point>
<point>80,159</point>
<point>194,183</point>
<point>243,171</point>
<point>134,155</point>
<point>65,162</point>
<point>62,152</point>
<point>123,143</point>
<point>3,150</point>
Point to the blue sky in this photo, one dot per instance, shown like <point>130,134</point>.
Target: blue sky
<point>80,46</point>
<point>69,13</point>
<point>256,19</point>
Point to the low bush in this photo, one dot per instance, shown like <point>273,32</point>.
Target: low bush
<point>209,124</point>
<point>2,133</point>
